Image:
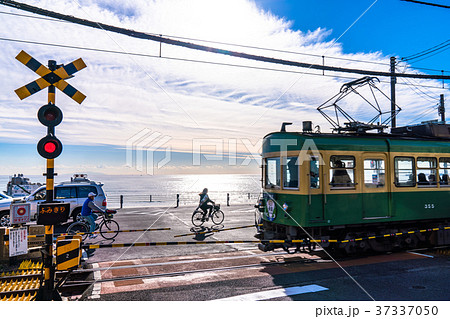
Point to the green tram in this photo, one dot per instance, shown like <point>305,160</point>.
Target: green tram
<point>355,192</point>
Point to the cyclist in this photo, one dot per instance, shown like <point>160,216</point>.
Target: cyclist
<point>204,200</point>
<point>86,212</point>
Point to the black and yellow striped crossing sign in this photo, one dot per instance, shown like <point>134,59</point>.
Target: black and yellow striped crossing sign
<point>68,252</point>
<point>48,77</point>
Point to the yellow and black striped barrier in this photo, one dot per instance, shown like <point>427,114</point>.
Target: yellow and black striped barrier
<point>68,252</point>
<point>294,241</point>
<point>216,230</point>
<point>6,237</point>
<point>254,241</point>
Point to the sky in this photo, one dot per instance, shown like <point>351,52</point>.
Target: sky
<point>161,109</point>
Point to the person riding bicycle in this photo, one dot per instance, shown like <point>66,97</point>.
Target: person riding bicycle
<point>204,200</point>
<point>86,212</point>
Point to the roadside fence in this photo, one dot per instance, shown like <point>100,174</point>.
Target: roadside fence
<point>177,200</point>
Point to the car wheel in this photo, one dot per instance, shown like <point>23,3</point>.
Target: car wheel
<point>4,219</point>
<point>75,213</point>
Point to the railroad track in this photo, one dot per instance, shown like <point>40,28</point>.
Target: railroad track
<point>77,282</point>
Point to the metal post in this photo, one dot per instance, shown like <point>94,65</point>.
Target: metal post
<point>150,198</point>
<point>442,108</point>
<point>178,200</point>
<point>121,201</point>
<point>228,199</point>
<point>48,293</point>
<point>393,81</point>
<point>248,195</point>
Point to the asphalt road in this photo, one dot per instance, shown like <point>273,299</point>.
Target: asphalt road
<point>211,272</point>
<point>179,220</point>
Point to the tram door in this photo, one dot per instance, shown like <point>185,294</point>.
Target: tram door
<point>375,187</point>
<point>315,194</point>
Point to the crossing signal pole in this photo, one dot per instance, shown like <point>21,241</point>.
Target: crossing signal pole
<point>50,147</point>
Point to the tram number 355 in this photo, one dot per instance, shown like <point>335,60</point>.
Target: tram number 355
<point>429,206</point>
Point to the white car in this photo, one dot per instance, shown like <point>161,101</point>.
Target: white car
<point>5,203</point>
<point>73,192</point>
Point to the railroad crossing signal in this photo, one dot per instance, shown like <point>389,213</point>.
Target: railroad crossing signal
<point>50,147</point>
<point>48,77</point>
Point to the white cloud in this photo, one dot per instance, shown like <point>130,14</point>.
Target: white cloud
<point>181,99</point>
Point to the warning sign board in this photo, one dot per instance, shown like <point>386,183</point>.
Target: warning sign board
<point>20,213</point>
<point>53,213</point>
<point>18,241</point>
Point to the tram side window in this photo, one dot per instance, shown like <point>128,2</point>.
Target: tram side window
<point>404,171</point>
<point>273,176</point>
<point>444,171</point>
<point>374,173</point>
<point>290,173</point>
<point>342,171</point>
<point>426,172</point>
<point>314,175</point>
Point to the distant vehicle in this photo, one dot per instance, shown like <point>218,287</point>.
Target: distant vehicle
<point>5,203</point>
<point>19,186</point>
<point>73,192</point>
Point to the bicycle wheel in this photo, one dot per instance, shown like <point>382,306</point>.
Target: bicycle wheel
<point>217,217</point>
<point>109,229</point>
<point>77,228</point>
<point>197,218</point>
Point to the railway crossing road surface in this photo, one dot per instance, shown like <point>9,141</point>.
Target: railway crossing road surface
<point>241,272</point>
<point>251,275</point>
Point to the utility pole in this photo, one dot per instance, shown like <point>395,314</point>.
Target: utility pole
<point>442,108</point>
<point>393,81</point>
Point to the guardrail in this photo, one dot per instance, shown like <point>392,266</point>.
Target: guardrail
<point>134,200</point>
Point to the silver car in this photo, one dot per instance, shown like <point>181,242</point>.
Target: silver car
<point>5,204</point>
<point>74,192</point>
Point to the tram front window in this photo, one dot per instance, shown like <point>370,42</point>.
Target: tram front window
<point>444,171</point>
<point>314,175</point>
<point>342,171</point>
<point>290,173</point>
<point>273,176</point>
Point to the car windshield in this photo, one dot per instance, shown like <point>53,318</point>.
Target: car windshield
<point>4,196</point>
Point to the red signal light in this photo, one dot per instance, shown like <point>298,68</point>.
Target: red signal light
<point>49,147</point>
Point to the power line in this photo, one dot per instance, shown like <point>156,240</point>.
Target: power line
<point>143,35</point>
<point>222,43</point>
<point>194,61</point>
<point>428,3</point>
<point>440,47</point>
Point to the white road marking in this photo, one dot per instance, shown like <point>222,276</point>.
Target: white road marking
<point>96,291</point>
<point>429,256</point>
<point>276,293</point>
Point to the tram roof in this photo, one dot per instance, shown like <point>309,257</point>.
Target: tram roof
<point>370,142</point>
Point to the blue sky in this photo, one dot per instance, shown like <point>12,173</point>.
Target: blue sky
<point>189,107</point>
<point>395,27</point>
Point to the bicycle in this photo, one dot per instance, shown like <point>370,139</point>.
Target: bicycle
<point>108,227</point>
<point>216,215</point>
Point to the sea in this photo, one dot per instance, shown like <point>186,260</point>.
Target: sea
<point>162,190</point>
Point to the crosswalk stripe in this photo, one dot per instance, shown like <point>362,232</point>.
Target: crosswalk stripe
<point>276,293</point>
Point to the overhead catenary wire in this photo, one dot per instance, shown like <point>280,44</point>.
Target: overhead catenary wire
<point>171,41</point>
<point>428,3</point>
<point>145,55</point>
<point>223,43</point>
<point>427,51</point>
